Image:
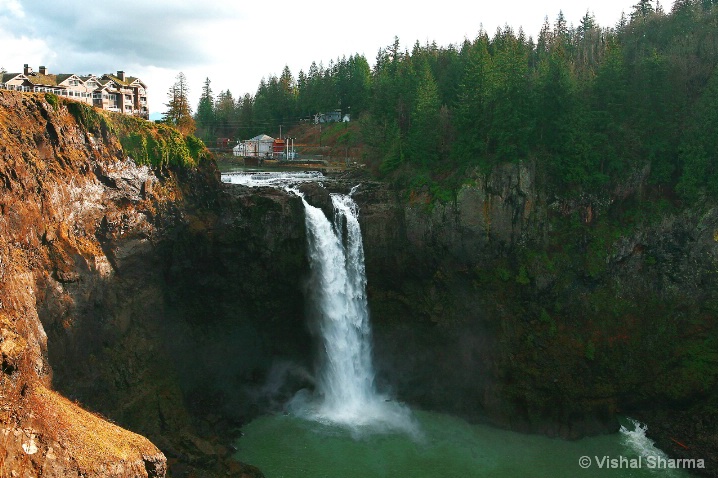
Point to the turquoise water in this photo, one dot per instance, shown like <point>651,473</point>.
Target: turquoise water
<point>284,446</point>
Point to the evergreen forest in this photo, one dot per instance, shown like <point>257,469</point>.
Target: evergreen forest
<point>588,105</point>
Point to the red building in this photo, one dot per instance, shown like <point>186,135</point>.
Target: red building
<point>278,148</point>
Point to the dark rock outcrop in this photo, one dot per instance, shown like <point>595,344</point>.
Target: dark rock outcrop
<point>547,316</point>
<point>124,290</point>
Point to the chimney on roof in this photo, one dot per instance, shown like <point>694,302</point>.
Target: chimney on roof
<point>27,69</point>
<point>43,70</point>
<point>121,75</point>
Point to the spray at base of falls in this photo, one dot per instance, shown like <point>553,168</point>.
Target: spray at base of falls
<point>346,394</point>
<point>634,436</point>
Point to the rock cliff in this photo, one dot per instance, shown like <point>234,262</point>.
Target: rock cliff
<point>110,297</point>
<point>545,314</point>
<point>53,199</point>
<point>158,300</point>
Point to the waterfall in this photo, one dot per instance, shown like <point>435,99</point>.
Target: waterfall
<point>346,392</point>
<point>337,293</point>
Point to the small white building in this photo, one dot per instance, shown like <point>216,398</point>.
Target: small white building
<point>258,147</point>
<point>331,117</point>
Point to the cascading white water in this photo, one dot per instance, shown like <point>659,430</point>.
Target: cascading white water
<point>345,393</point>
<point>270,178</point>
<point>346,378</point>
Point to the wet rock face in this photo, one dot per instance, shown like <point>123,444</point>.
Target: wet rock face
<point>238,286</point>
<point>125,290</point>
<point>538,314</point>
<point>51,206</point>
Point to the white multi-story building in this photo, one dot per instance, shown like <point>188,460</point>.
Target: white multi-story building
<point>119,93</point>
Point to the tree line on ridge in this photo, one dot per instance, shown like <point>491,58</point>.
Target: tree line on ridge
<point>587,104</point>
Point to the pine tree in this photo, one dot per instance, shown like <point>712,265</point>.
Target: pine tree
<point>179,112</point>
<point>622,23</point>
<point>205,116</point>
<point>510,100</point>
<point>641,10</point>
<point>424,133</point>
<point>287,96</point>
<point>472,116</point>
<point>246,116</point>
<point>609,95</point>
<point>545,39</point>
<point>560,30</point>
<point>303,109</point>
<point>699,149</point>
<point>226,114</point>
<point>556,115</point>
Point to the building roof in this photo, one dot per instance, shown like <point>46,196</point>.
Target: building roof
<point>118,80</point>
<point>9,76</point>
<point>133,79</point>
<point>106,82</point>
<point>62,77</point>
<point>50,80</point>
<point>261,137</point>
<point>126,82</point>
<point>45,80</point>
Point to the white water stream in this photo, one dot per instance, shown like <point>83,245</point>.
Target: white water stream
<point>278,179</point>
<point>346,393</point>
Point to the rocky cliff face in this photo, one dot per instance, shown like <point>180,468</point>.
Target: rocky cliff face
<point>548,315</point>
<point>124,290</point>
<point>53,199</point>
<point>172,304</point>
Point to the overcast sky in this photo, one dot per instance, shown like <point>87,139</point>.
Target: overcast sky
<point>237,43</point>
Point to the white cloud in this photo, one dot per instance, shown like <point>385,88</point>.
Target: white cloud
<point>11,7</point>
<point>159,33</point>
<point>18,50</point>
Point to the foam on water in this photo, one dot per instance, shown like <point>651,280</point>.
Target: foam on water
<point>271,178</point>
<point>638,442</point>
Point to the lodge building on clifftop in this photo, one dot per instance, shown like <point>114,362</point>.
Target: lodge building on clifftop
<point>119,93</point>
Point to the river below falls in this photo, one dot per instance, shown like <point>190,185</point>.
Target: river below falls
<point>285,446</point>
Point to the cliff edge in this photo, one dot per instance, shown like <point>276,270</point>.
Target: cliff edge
<point>54,195</point>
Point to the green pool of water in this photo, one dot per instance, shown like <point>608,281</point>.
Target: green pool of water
<point>284,446</point>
